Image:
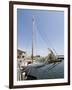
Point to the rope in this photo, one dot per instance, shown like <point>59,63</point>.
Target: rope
<point>53,66</point>
<point>46,40</point>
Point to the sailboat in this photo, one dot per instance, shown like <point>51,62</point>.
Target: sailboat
<point>51,61</point>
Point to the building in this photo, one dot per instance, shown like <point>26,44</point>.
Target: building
<point>22,58</point>
<point>21,54</point>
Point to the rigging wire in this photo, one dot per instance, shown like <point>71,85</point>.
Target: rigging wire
<point>46,40</point>
<point>36,29</point>
<point>43,36</point>
<point>55,64</point>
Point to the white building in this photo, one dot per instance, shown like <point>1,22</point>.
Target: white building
<point>22,58</point>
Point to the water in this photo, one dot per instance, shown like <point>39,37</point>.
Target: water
<point>49,71</point>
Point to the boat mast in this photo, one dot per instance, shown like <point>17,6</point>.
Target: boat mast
<point>33,39</point>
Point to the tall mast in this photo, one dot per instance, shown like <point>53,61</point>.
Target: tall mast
<point>33,39</point>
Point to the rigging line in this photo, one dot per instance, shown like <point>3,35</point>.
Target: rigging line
<point>42,37</point>
<point>43,33</point>
<point>47,40</point>
<point>53,66</point>
<point>51,44</point>
<point>45,36</point>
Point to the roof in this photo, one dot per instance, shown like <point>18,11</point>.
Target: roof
<point>20,51</point>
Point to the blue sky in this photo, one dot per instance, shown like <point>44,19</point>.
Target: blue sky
<point>48,28</point>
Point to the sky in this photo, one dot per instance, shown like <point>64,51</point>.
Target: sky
<point>48,30</point>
